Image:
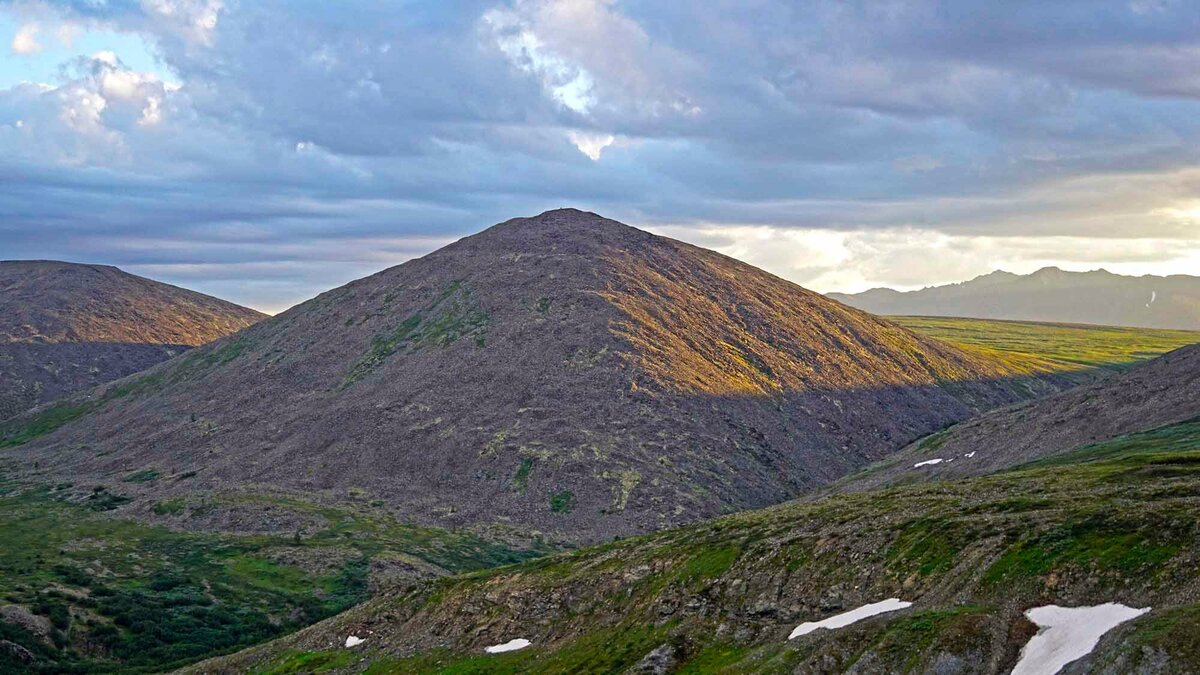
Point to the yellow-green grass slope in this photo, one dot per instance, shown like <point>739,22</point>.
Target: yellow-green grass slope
<point>1052,347</point>
<point>1116,522</point>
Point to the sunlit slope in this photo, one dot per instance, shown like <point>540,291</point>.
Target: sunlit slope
<point>1075,349</point>
<point>1117,523</point>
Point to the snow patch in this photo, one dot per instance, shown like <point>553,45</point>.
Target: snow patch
<point>854,615</point>
<point>1153,297</point>
<point>970,454</point>
<point>927,462</point>
<point>1067,634</point>
<point>510,646</point>
<point>354,641</point>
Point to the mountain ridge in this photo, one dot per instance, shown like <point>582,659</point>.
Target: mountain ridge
<point>1050,294</point>
<point>66,326</point>
<point>565,374</point>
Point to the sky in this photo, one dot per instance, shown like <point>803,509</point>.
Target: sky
<point>267,150</point>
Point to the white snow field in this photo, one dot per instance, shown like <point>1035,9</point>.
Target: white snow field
<point>928,461</point>
<point>510,646</point>
<point>847,618</point>
<point>1067,634</point>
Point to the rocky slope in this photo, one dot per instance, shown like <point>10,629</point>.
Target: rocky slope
<point>1050,294</point>
<point>1113,526</point>
<point>66,327</point>
<point>1165,390</point>
<point>565,374</point>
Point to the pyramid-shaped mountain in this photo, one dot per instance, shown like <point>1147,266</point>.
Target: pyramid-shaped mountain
<point>68,326</point>
<point>564,373</point>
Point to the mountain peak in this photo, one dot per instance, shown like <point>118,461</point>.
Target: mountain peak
<point>515,375</point>
<point>558,231</point>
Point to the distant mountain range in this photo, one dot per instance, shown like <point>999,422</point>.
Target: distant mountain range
<point>1050,294</point>
<point>68,326</point>
<point>563,374</point>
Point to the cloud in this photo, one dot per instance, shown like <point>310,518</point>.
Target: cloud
<point>909,258</point>
<point>25,41</point>
<point>833,142</point>
<point>591,145</point>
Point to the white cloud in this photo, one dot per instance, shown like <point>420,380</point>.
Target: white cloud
<point>591,144</point>
<point>588,55</point>
<point>195,20</point>
<point>25,41</point>
<point>839,144</point>
<point>67,32</point>
<point>907,258</point>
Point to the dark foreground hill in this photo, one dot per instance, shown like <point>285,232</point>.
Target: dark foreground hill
<point>565,374</point>
<point>1113,526</point>
<point>1050,294</point>
<point>1163,391</point>
<point>66,327</point>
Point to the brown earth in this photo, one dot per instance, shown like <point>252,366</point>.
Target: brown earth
<point>65,327</point>
<point>54,302</point>
<point>565,374</point>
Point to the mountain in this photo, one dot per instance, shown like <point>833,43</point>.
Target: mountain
<point>1050,294</point>
<point>1160,392</point>
<point>563,374</point>
<point>971,556</point>
<point>66,327</point>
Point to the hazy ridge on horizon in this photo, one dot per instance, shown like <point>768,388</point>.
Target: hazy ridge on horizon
<point>1049,295</point>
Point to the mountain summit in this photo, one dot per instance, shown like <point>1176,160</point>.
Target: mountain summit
<point>1049,294</point>
<point>66,326</point>
<point>565,373</point>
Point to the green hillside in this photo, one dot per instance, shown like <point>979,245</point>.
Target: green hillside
<point>1117,525</point>
<point>94,593</point>
<point>1052,347</point>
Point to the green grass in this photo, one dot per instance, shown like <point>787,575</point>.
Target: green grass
<point>1183,437</point>
<point>297,662</point>
<point>710,562</point>
<point>452,315</point>
<point>562,502</point>
<point>24,429</point>
<point>1050,347</point>
<point>521,477</point>
<point>147,599</point>
<point>169,507</point>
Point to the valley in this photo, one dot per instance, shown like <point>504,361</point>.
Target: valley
<point>1114,522</point>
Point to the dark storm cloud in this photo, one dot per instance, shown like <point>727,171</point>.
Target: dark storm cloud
<point>282,133</point>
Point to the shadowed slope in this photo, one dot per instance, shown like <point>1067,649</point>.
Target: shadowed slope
<point>565,373</point>
<point>66,327</point>
<point>1163,391</point>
